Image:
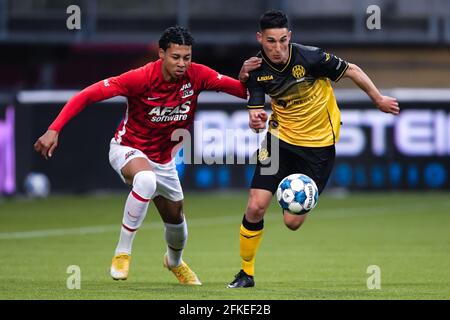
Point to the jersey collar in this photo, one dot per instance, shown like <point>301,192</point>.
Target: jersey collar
<point>275,67</point>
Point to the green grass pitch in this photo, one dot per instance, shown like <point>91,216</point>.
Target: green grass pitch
<point>407,235</point>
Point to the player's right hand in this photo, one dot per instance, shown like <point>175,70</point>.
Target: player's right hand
<point>388,105</point>
<point>257,119</point>
<point>47,143</point>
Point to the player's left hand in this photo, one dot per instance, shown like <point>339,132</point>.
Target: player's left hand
<point>388,104</point>
<point>257,119</point>
<point>249,65</point>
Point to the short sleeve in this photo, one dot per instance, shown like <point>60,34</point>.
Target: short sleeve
<point>127,84</point>
<point>328,65</point>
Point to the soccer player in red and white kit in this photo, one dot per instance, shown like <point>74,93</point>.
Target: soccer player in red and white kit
<point>162,97</point>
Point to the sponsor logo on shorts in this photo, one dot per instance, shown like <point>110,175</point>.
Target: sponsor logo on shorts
<point>263,154</point>
<point>129,154</point>
<point>273,124</point>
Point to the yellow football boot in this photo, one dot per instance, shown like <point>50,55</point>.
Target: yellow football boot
<point>183,273</point>
<point>120,266</point>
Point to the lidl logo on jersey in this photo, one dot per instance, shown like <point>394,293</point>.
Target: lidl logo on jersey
<point>167,114</point>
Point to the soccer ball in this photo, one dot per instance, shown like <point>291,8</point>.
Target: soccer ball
<point>297,193</point>
<point>37,185</point>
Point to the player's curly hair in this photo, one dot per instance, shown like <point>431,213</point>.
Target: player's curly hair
<point>176,35</point>
<point>273,19</point>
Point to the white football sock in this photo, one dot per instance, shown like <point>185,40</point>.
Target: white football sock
<point>144,186</point>
<point>176,237</point>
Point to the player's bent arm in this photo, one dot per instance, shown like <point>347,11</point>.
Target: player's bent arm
<point>232,86</point>
<point>362,80</point>
<point>212,80</point>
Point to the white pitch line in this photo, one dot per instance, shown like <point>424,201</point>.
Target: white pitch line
<point>109,228</point>
<point>200,222</point>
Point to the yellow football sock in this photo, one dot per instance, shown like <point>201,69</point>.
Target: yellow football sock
<point>249,242</point>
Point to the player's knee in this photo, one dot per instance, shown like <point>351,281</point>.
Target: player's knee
<point>255,211</point>
<point>144,183</point>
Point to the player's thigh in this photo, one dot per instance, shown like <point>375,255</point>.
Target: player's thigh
<point>168,183</point>
<point>170,211</point>
<point>127,161</point>
<point>134,166</point>
<point>317,163</point>
<point>278,159</point>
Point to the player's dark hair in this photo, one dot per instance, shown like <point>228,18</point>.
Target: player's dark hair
<point>176,35</point>
<point>273,19</point>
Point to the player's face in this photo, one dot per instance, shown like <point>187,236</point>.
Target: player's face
<point>176,60</point>
<point>275,43</point>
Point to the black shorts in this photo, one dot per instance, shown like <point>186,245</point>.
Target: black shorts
<point>316,163</point>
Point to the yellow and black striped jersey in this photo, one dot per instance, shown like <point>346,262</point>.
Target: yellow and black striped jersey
<point>305,111</point>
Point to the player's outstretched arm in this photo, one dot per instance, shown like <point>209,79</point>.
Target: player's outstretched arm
<point>48,142</point>
<point>130,83</point>
<point>361,79</point>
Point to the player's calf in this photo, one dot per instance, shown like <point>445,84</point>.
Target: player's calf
<point>293,222</point>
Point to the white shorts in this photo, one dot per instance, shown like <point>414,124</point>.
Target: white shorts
<point>167,182</point>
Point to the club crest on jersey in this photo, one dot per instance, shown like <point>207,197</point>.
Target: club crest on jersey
<point>298,71</point>
<point>186,92</point>
<point>167,114</point>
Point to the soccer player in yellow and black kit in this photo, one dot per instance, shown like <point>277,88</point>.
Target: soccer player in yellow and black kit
<point>304,124</point>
